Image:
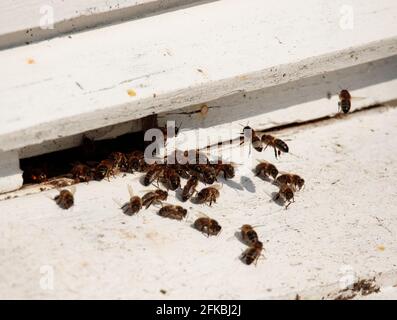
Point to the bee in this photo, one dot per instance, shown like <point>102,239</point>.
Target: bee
<point>182,171</point>
<point>227,170</point>
<point>171,178</point>
<point>267,169</point>
<point>81,172</point>
<point>208,226</point>
<point>65,199</point>
<point>290,178</point>
<point>190,188</point>
<point>277,144</point>
<point>119,160</point>
<point>344,103</point>
<point>173,212</point>
<point>105,169</point>
<point>286,192</point>
<point>165,132</point>
<point>134,205</point>
<point>136,161</point>
<point>249,235</point>
<point>253,253</point>
<point>209,194</point>
<point>154,197</point>
<point>36,175</point>
<point>255,139</point>
<point>206,172</point>
<point>153,173</point>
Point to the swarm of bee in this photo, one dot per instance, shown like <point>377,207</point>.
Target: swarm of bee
<point>182,178</point>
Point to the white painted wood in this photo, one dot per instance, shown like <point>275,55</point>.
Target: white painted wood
<point>294,102</point>
<point>25,21</point>
<point>343,224</point>
<point>64,86</point>
<point>11,175</point>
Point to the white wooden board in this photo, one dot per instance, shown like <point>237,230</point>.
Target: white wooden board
<point>342,227</point>
<point>26,21</point>
<point>66,86</point>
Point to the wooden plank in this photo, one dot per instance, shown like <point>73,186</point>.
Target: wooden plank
<point>294,102</point>
<point>65,86</point>
<point>27,21</point>
<point>332,233</point>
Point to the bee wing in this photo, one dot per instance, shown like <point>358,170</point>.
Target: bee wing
<point>130,191</point>
<point>218,186</point>
<point>358,98</point>
<point>73,189</point>
<point>201,215</point>
<point>118,202</point>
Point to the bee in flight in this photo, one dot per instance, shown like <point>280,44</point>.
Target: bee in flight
<point>277,144</point>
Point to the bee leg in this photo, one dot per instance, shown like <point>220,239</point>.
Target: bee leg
<point>149,204</point>
<point>275,152</point>
<point>276,197</point>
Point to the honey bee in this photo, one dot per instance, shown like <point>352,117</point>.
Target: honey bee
<point>226,168</point>
<point>136,161</point>
<point>267,169</point>
<point>119,161</point>
<point>206,172</point>
<point>171,178</point>
<point>134,205</point>
<point>35,175</point>
<point>290,178</point>
<point>81,172</point>
<point>255,139</point>
<point>154,197</point>
<point>344,103</point>
<point>104,169</point>
<point>286,192</point>
<point>209,194</point>
<point>253,253</point>
<point>182,171</point>
<point>249,235</point>
<point>153,173</point>
<point>208,226</point>
<point>165,132</point>
<point>65,199</point>
<point>173,212</point>
<point>190,188</point>
<point>277,144</point>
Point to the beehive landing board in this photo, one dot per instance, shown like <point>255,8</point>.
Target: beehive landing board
<point>344,219</point>
<point>66,86</point>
